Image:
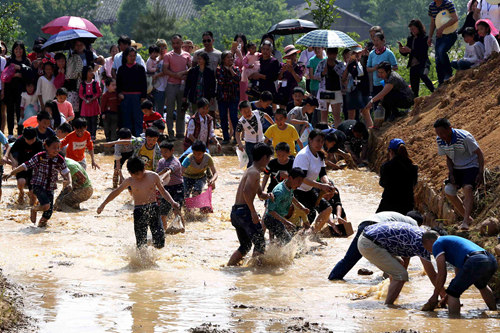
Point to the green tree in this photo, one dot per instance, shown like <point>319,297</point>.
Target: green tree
<point>102,45</point>
<point>156,22</point>
<point>129,12</point>
<point>324,12</point>
<point>228,18</point>
<point>34,14</point>
<point>199,4</point>
<point>9,22</point>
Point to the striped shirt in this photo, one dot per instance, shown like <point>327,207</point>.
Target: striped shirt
<point>461,149</point>
<point>434,9</point>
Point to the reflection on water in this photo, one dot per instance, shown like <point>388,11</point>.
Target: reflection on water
<point>83,274</point>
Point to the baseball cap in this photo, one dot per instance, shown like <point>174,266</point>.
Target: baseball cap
<point>395,143</point>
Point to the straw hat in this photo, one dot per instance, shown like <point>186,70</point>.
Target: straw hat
<point>289,50</point>
<point>442,18</point>
<point>135,45</point>
<point>493,2</point>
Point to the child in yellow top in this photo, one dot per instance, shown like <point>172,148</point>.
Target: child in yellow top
<point>283,132</point>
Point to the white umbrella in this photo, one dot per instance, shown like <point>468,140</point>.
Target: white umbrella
<point>327,39</point>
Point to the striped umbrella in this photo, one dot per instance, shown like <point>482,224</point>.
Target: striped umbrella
<point>327,39</point>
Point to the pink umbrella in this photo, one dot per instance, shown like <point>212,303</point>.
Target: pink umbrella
<point>64,23</point>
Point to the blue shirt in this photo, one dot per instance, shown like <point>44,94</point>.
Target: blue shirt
<point>454,248</point>
<point>400,239</point>
<point>460,150</point>
<point>446,5</point>
<point>374,59</point>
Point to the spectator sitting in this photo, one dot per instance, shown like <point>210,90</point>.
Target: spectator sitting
<point>487,30</point>
<point>474,51</point>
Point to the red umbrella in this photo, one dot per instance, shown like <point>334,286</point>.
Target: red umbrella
<point>68,23</point>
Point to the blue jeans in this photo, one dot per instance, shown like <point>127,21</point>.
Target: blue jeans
<point>443,65</point>
<point>159,97</point>
<point>477,270</point>
<point>351,257</point>
<point>461,64</point>
<point>132,115</point>
<point>224,108</point>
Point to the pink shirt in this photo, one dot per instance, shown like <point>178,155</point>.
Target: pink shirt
<point>108,65</point>
<point>176,63</point>
<point>66,109</point>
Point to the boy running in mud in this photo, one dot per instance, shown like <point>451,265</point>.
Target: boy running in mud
<point>144,185</point>
<point>244,217</point>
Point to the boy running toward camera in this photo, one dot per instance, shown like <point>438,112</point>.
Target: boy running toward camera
<point>77,141</point>
<point>143,185</point>
<point>283,132</point>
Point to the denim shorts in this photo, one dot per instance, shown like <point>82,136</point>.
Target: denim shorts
<point>193,185</point>
<point>477,270</point>
<point>248,232</point>
<point>177,193</point>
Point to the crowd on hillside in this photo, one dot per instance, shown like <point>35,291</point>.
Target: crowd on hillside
<point>266,103</point>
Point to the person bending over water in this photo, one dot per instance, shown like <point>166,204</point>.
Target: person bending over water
<point>244,217</point>
<point>144,185</point>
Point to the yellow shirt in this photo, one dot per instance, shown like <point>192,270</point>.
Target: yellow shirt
<point>147,155</point>
<point>288,135</point>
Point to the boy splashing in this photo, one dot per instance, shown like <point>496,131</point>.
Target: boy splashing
<point>143,186</point>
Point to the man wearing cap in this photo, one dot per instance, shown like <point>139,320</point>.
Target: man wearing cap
<point>290,75</point>
<point>465,161</point>
<point>473,266</point>
<point>389,246</point>
<point>123,43</point>
<point>444,41</point>
<point>352,255</point>
<point>398,177</point>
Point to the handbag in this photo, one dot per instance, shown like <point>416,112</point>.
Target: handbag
<point>8,73</point>
<point>326,94</point>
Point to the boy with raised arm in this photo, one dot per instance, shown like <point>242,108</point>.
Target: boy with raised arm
<point>244,217</point>
<point>144,185</point>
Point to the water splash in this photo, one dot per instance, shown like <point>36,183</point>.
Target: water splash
<point>143,258</point>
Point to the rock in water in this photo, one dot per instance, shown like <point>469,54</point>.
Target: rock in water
<point>490,227</point>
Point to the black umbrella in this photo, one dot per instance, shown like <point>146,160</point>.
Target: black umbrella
<point>292,26</point>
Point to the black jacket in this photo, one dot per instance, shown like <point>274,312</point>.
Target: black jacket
<point>192,80</point>
<point>419,50</point>
<point>132,79</point>
<point>469,22</point>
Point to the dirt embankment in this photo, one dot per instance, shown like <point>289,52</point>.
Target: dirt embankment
<point>471,101</point>
<point>11,303</point>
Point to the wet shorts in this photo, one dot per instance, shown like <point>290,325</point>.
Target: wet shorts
<point>45,197</point>
<point>148,216</point>
<point>193,185</point>
<point>177,193</point>
<point>278,229</point>
<point>248,232</point>
<point>26,175</point>
<point>308,199</point>
<point>477,270</point>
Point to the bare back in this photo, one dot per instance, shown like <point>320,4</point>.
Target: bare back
<point>144,189</point>
<point>249,185</point>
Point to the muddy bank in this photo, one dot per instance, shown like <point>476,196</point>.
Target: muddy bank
<point>471,101</point>
<point>12,317</point>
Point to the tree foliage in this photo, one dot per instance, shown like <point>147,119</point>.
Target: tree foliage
<point>34,14</point>
<point>128,14</point>
<point>228,18</point>
<point>156,22</point>
<point>102,45</point>
<point>323,12</point>
<point>9,22</point>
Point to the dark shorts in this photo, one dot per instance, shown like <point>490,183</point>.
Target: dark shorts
<point>45,197</point>
<point>193,185</point>
<point>477,270</point>
<point>465,177</point>
<point>1,175</point>
<point>125,157</point>
<point>278,229</point>
<point>248,232</point>
<point>148,216</point>
<point>356,100</point>
<point>308,199</point>
<point>177,193</point>
<point>26,175</point>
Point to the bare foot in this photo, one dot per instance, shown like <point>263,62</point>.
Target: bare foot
<point>42,223</point>
<point>20,198</point>
<point>33,215</point>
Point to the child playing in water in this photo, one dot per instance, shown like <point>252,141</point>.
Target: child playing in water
<point>122,154</point>
<point>143,185</point>
<point>283,132</point>
<point>244,217</point>
<point>278,208</point>
<point>43,130</point>
<point>170,169</point>
<point>77,141</point>
<point>25,147</point>
<point>46,165</point>
<point>279,167</point>
<point>194,170</point>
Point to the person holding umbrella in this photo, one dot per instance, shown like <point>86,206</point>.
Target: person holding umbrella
<point>132,89</point>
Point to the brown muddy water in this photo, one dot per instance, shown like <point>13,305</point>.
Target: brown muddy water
<point>83,274</point>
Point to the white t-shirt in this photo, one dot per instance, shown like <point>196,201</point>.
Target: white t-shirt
<point>160,83</point>
<point>3,62</point>
<point>46,89</point>
<point>490,46</point>
<point>491,12</point>
<point>27,99</point>
<point>313,164</point>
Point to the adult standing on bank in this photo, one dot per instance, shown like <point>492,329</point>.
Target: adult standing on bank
<point>465,161</point>
<point>486,10</point>
<point>444,40</point>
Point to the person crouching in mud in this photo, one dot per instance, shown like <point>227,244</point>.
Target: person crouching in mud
<point>244,217</point>
<point>144,185</point>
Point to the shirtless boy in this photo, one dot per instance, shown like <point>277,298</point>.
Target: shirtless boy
<point>244,217</point>
<point>144,185</point>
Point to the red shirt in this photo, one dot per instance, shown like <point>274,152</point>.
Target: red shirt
<point>76,145</point>
<point>148,120</point>
<point>110,102</point>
